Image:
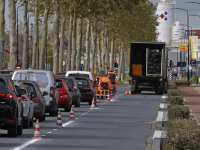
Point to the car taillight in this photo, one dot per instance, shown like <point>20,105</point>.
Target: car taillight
<point>65,93</point>
<point>131,82</point>
<point>8,120</point>
<point>86,87</point>
<point>51,91</point>
<point>9,95</point>
<point>36,97</point>
<point>160,83</point>
<point>2,94</point>
<point>23,98</point>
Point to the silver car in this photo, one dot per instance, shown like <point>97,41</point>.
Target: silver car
<point>28,105</point>
<point>46,81</point>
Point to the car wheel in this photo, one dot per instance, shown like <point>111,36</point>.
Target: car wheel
<point>31,122</point>
<point>26,123</point>
<point>12,131</point>
<point>67,108</point>
<point>20,129</point>
<point>78,103</point>
<point>52,113</point>
<point>90,103</point>
<point>40,118</point>
<point>44,117</point>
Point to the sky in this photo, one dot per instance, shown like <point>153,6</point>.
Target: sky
<point>180,15</point>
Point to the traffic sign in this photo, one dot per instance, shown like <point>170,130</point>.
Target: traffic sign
<point>18,66</point>
<point>121,74</point>
<point>179,70</point>
<point>185,68</point>
<point>182,47</point>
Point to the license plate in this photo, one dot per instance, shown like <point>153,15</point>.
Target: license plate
<point>146,83</point>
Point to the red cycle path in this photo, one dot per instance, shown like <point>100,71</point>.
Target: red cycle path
<point>192,97</point>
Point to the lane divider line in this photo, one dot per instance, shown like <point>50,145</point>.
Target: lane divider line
<point>67,123</point>
<point>27,144</point>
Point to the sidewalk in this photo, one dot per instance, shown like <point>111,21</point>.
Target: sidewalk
<point>192,97</point>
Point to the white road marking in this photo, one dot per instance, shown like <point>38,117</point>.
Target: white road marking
<point>54,129</point>
<point>49,132</point>
<point>76,118</point>
<point>27,144</point>
<point>43,135</point>
<point>83,114</point>
<point>67,123</point>
<point>80,116</point>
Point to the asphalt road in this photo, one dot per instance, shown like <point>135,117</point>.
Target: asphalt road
<point>122,124</point>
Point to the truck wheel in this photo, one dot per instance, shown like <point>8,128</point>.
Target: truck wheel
<point>20,129</point>
<point>31,122</point>
<point>26,123</point>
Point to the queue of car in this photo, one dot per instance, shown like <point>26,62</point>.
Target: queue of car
<point>32,93</point>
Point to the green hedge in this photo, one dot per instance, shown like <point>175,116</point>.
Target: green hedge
<point>171,82</point>
<point>182,83</point>
<point>172,87</point>
<point>182,134</point>
<point>173,92</point>
<point>175,100</point>
<point>178,112</point>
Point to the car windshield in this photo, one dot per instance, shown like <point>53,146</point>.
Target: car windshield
<point>3,89</point>
<point>69,83</point>
<point>83,82</point>
<point>40,78</point>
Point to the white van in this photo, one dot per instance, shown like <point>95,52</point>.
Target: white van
<point>80,73</point>
<point>46,81</point>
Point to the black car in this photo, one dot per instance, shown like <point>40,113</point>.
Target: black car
<point>37,98</point>
<point>74,90</point>
<point>11,107</point>
<point>87,90</point>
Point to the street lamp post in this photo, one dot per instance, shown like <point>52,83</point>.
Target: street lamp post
<point>17,33</point>
<point>188,37</point>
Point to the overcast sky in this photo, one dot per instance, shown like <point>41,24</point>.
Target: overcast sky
<point>180,15</point>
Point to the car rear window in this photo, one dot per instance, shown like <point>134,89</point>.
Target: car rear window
<point>69,83</point>
<point>79,74</point>
<point>40,78</point>
<point>83,82</point>
<point>30,88</point>
<point>59,84</point>
<point>3,89</point>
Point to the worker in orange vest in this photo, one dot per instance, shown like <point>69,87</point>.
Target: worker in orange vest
<point>105,80</point>
<point>111,72</point>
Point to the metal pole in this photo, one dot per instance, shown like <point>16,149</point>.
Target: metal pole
<point>28,43</point>
<point>17,35</point>
<point>177,63</point>
<point>188,46</point>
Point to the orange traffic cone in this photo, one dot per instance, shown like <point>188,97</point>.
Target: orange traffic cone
<point>111,94</point>
<point>130,92</point>
<point>93,105</point>
<point>126,93</point>
<point>71,117</point>
<point>59,120</point>
<point>97,102</point>
<point>108,99</point>
<point>37,130</point>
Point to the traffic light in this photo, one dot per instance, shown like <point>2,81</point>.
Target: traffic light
<point>171,63</point>
<point>115,63</point>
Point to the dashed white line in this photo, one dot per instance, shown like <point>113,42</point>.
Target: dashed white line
<point>67,123</point>
<point>49,132</point>
<point>27,144</point>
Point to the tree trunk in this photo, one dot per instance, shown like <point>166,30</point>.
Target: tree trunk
<point>56,37</point>
<point>103,52</point>
<point>74,42</point>
<point>12,34</point>
<point>112,55</point>
<point>87,63</point>
<point>94,47</point>
<point>99,52</point>
<point>25,46</point>
<point>44,39</point>
<point>121,60</point>
<point>2,29</point>
<point>62,38</point>
<point>70,40</point>
<point>35,43</point>
<point>79,44</point>
<point>107,53</point>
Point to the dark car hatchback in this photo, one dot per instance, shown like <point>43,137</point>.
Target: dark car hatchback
<point>11,107</point>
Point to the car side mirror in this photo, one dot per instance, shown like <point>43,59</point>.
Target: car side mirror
<point>22,92</point>
<point>45,93</point>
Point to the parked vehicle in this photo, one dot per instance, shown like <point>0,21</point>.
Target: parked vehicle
<point>65,97</point>
<point>46,81</point>
<point>37,98</point>
<point>148,67</point>
<point>86,88</point>
<point>73,88</point>
<point>86,74</point>
<point>11,107</point>
<point>28,105</point>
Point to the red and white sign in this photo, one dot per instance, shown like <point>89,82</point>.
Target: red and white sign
<point>18,66</point>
